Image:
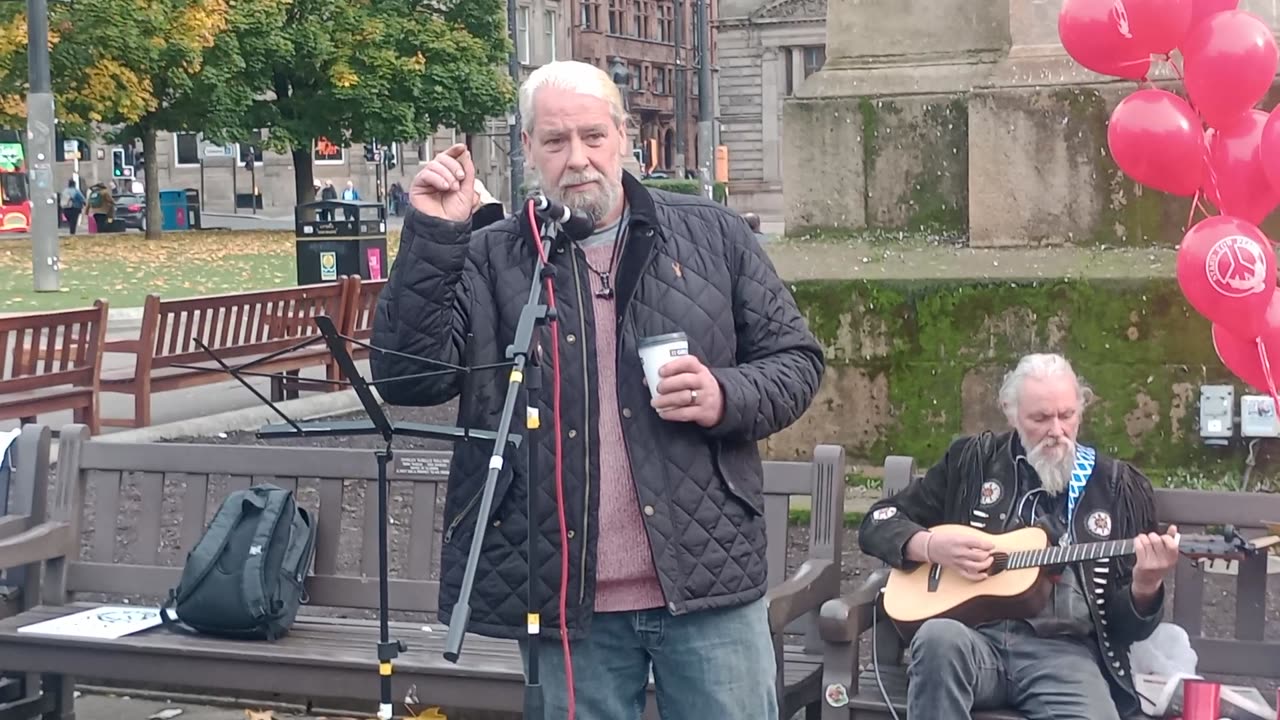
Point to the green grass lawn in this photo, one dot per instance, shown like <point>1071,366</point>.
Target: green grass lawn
<point>123,269</point>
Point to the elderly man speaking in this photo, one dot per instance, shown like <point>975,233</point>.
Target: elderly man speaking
<point>662,487</point>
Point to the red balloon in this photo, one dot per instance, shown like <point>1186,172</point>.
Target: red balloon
<point>1269,151</point>
<point>1157,139</point>
<point>1201,9</point>
<point>1229,62</point>
<point>1242,355</point>
<point>1237,181</point>
<point>1097,34</point>
<point>1227,270</point>
<point>1157,26</point>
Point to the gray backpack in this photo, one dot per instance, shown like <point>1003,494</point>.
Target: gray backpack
<point>244,578</point>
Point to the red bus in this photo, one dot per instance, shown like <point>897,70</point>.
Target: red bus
<point>15,194</point>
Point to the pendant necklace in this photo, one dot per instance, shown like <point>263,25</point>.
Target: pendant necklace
<point>606,289</point>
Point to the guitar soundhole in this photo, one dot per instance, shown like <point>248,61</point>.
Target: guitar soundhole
<point>999,563</point>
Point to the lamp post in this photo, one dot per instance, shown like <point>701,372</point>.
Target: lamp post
<point>45,265</point>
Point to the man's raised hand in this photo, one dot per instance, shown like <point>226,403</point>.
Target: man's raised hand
<point>445,188</point>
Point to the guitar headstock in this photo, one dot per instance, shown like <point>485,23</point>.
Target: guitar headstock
<point>1227,545</point>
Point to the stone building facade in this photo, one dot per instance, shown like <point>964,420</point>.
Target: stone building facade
<point>641,35</point>
<point>767,50</point>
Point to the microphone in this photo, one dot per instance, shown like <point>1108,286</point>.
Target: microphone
<point>575,223</point>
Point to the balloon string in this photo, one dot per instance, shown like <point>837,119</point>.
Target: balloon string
<point>1266,371</point>
<point>1177,71</point>
<point>1191,216</point>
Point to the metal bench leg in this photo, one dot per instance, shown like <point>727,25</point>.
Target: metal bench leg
<point>61,689</point>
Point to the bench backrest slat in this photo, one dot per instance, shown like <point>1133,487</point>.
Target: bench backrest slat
<point>191,481</point>
<point>364,302</point>
<point>238,324</point>
<point>42,350</point>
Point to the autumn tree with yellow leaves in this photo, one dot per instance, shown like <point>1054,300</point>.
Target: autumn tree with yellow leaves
<point>133,68</point>
<point>385,70</point>
<point>347,71</point>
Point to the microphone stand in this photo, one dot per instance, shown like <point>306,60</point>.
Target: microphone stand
<point>525,377</point>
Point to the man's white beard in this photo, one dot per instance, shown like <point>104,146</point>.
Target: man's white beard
<point>1054,470</point>
<point>597,203</point>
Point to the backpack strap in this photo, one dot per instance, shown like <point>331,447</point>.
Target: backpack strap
<point>274,500</point>
<point>208,550</point>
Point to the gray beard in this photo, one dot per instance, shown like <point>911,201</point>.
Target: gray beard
<point>1054,473</point>
<point>595,205</point>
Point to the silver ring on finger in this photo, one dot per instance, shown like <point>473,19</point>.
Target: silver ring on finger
<point>693,397</point>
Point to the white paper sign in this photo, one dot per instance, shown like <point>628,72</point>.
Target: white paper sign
<point>108,622</point>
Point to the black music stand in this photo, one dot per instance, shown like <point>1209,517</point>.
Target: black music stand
<point>524,376</point>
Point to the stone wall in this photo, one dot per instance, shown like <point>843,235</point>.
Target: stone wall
<point>979,125</point>
<point>912,364</point>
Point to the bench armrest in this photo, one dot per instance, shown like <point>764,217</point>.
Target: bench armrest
<point>815,582</point>
<point>845,618</point>
<point>46,541</point>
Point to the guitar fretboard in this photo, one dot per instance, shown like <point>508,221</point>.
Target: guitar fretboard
<point>1060,555</point>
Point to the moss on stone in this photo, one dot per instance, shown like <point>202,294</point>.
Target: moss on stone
<point>1136,342</point>
<point>870,126</point>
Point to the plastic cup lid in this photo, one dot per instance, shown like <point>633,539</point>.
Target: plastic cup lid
<point>663,339</point>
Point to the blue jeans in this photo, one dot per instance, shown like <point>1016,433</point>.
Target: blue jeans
<point>706,665</point>
<point>955,668</point>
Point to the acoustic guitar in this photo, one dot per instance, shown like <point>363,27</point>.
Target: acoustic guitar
<point>1017,585</point>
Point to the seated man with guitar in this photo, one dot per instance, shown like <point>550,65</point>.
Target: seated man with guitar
<point>1065,653</point>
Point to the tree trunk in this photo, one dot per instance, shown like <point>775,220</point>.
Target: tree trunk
<point>151,180</point>
<point>304,174</point>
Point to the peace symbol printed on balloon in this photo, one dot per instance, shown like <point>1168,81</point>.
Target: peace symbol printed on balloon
<point>112,617</point>
<point>1236,266</point>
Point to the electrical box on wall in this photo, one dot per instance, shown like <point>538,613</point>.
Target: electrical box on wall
<point>1217,420</point>
<point>1258,417</point>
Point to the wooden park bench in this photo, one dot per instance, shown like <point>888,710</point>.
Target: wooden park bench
<point>240,328</point>
<point>359,315</point>
<point>328,661</point>
<point>51,361</point>
<point>1250,653</point>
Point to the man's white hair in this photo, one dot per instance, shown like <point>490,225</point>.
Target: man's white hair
<point>1041,366</point>
<point>578,77</point>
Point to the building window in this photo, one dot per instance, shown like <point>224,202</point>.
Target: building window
<point>637,19</point>
<point>590,19</point>
<point>549,29</point>
<point>186,150</point>
<point>666,23</point>
<point>635,78</point>
<point>814,59</point>
<point>522,34</point>
<point>615,17</point>
<point>660,81</point>
<point>325,152</point>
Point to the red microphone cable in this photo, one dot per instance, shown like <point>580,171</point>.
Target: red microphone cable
<point>555,422</point>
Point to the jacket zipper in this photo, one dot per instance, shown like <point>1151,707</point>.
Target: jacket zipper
<point>466,510</point>
<point>586,434</point>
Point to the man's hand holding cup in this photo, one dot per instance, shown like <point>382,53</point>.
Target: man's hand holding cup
<point>681,387</point>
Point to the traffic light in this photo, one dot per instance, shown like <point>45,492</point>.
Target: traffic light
<point>371,151</point>
<point>117,162</point>
<point>390,154</point>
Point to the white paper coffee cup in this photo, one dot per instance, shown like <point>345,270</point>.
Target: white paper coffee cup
<point>659,350</point>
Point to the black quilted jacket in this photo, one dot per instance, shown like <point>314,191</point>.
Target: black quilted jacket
<point>455,295</point>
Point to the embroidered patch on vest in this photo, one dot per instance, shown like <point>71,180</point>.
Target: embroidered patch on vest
<point>837,695</point>
<point>1099,524</point>
<point>991,492</point>
<point>884,513</point>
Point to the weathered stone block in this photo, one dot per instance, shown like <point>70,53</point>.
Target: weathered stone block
<point>822,164</point>
<point>913,364</point>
